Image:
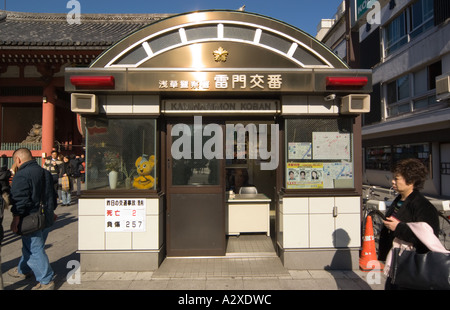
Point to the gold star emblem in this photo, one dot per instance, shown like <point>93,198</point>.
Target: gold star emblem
<point>220,55</point>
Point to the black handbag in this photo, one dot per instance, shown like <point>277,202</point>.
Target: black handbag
<point>429,271</point>
<point>32,222</point>
<point>38,220</point>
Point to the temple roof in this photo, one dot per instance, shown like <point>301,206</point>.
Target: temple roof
<point>20,30</point>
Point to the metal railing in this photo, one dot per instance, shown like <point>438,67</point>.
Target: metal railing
<point>8,161</point>
<point>15,145</point>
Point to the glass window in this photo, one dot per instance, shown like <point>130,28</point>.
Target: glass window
<point>421,17</point>
<point>306,57</point>
<point>379,158</point>
<point>237,32</point>
<point>404,108</point>
<point>420,151</point>
<point>121,154</point>
<point>396,34</point>
<point>421,103</point>
<point>191,170</point>
<point>204,32</point>
<point>403,87</point>
<point>277,42</point>
<point>133,57</point>
<point>425,102</point>
<point>397,92</point>
<point>319,153</point>
<point>383,157</point>
<point>165,41</point>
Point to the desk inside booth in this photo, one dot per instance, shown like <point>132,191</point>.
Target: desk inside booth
<point>248,213</point>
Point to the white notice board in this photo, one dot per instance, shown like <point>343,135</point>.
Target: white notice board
<point>331,146</point>
<point>125,215</point>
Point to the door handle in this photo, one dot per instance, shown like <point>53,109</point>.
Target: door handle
<point>168,163</point>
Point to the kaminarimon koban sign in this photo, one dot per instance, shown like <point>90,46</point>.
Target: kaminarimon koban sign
<point>219,106</point>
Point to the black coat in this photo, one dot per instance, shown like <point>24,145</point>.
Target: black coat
<point>5,174</point>
<point>76,167</point>
<point>416,208</point>
<point>66,168</point>
<point>26,188</point>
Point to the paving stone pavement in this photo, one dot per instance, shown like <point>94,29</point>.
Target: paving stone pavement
<point>235,273</point>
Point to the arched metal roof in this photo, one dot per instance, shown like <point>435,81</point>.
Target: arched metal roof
<point>218,51</point>
<point>219,39</point>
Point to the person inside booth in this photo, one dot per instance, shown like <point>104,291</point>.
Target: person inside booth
<point>240,180</point>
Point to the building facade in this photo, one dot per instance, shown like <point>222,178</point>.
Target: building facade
<point>406,44</point>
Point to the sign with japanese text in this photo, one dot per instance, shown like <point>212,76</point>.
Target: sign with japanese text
<point>125,215</point>
<point>226,81</point>
<point>216,81</point>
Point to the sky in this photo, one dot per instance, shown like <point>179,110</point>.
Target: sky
<point>303,14</point>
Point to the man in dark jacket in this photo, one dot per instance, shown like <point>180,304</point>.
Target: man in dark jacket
<point>26,196</point>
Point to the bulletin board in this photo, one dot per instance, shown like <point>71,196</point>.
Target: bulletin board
<point>319,153</point>
<point>331,146</point>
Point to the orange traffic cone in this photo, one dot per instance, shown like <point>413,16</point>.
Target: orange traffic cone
<point>368,259</point>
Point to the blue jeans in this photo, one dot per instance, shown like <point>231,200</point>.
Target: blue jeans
<point>65,197</point>
<point>34,257</point>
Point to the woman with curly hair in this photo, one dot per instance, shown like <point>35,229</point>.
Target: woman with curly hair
<point>409,206</point>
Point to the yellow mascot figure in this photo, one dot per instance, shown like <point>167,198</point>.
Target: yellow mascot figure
<point>144,166</point>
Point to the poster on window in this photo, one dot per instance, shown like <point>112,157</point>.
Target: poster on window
<point>304,175</point>
<point>331,146</point>
<point>299,150</point>
<point>338,174</point>
<point>125,215</point>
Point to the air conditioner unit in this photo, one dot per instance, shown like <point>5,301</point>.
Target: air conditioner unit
<point>84,103</point>
<point>442,87</point>
<point>355,104</point>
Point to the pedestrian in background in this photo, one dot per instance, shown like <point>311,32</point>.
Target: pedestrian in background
<point>5,174</point>
<point>409,206</point>
<point>75,161</point>
<point>61,160</point>
<point>52,164</point>
<point>27,189</point>
<point>66,185</point>
<point>83,164</point>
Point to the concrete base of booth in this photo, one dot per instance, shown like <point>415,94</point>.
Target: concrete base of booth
<point>334,259</point>
<point>122,261</point>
